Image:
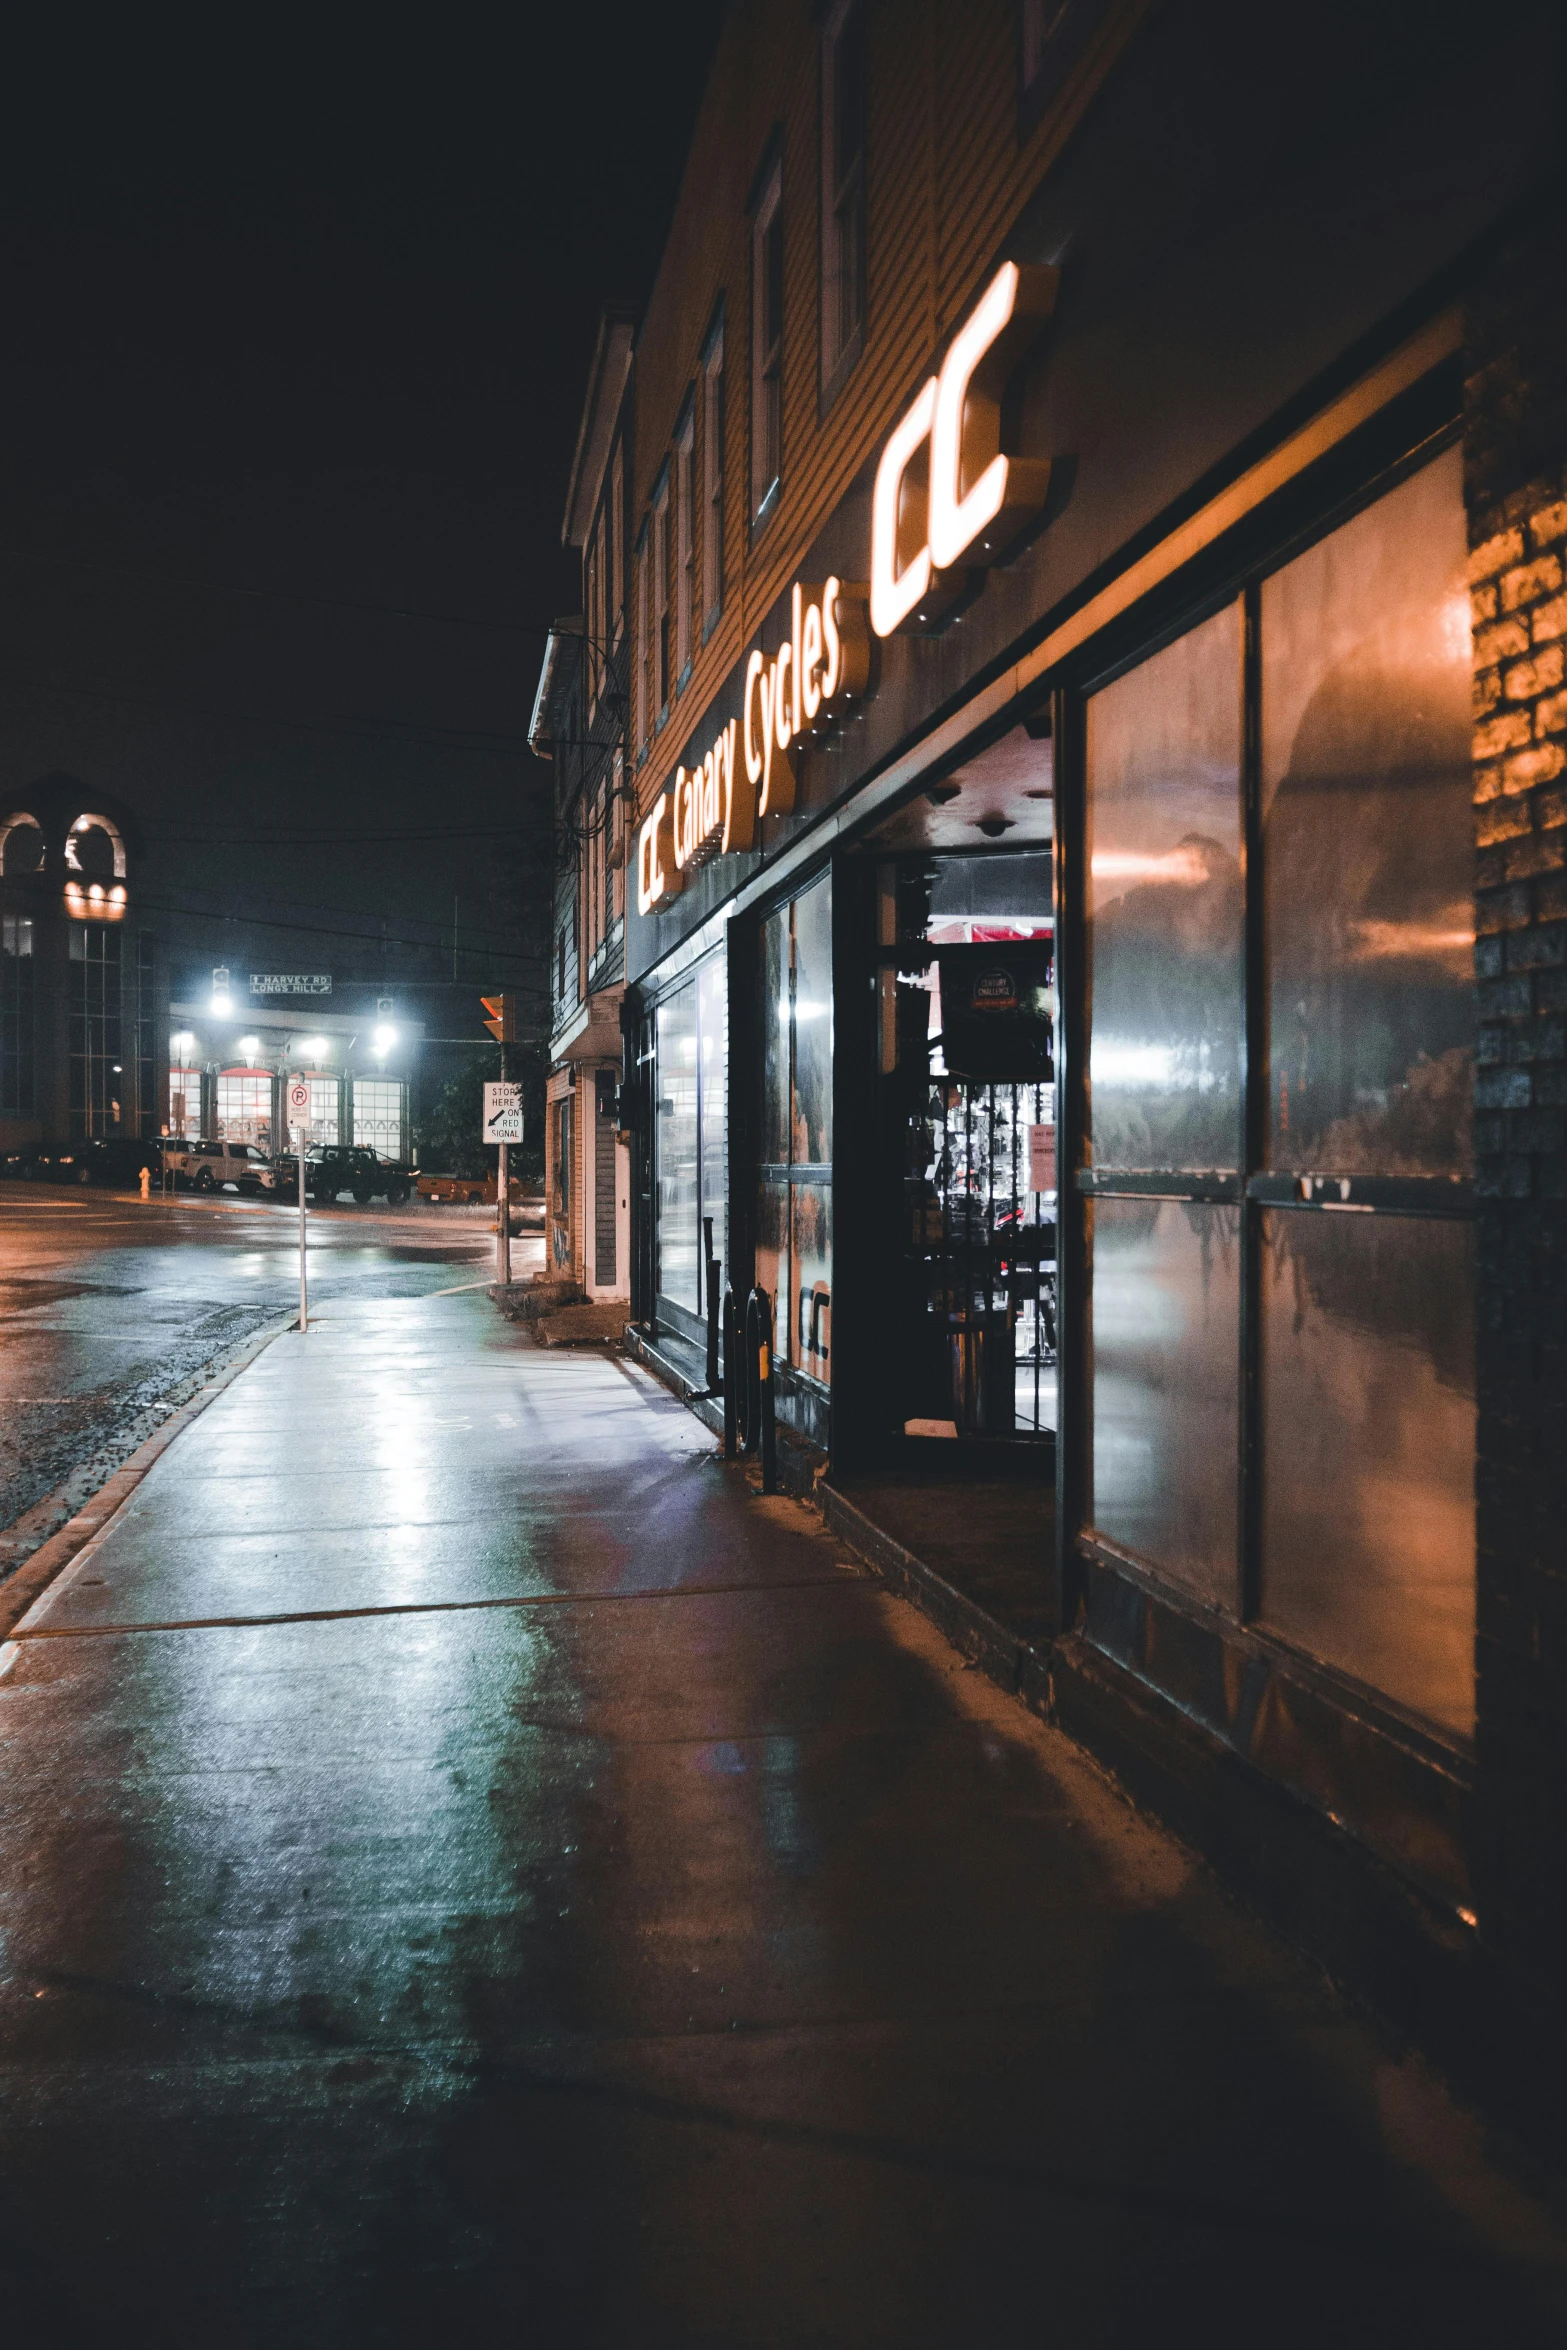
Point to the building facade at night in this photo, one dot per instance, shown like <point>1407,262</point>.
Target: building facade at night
<point>1082,474</point>
<point>237,1037</point>
<point>579,724</point>
<point>84,984</point>
<point>109,1031</point>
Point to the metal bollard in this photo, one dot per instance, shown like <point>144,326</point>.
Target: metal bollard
<point>710,1292</point>
<point>761,1424</point>
<point>731,1378</point>
<point>146,1183</point>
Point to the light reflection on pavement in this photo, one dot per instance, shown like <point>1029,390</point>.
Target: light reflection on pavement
<point>114,1310</point>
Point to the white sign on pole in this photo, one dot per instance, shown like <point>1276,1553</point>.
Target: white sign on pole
<point>502,1113</point>
<point>1041,1158</point>
<point>299,1100</point>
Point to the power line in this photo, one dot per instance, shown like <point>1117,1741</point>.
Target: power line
<point>224,587</point>
<point>364,938</point>
<point>308,839</point>
<point>486,742</point>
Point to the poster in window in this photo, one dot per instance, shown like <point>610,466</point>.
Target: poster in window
<point>995,1011</point>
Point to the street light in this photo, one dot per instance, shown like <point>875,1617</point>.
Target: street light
<point>250,1046</point>
<point>382,1041</point>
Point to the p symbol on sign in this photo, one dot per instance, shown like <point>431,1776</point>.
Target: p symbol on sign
<point>299,1097</point>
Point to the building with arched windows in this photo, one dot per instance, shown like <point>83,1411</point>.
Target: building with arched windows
<point>83,985</point>
<point>111,1026</point>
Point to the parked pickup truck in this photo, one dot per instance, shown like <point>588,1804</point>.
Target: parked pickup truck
<point>463,1190</point>
<point>347,1166</point>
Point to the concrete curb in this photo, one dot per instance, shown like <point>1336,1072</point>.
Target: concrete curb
<point>21,1591</point>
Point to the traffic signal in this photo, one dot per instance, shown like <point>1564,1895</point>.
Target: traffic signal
<point>501,1017</point>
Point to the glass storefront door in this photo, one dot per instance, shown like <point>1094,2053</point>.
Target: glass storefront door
<point>968,1119</point>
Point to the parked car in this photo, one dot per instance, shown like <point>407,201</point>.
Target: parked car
<point>212,1166</point>
<point>464,1190</point>
<point>337,1167</point>
<point>113,1159</point>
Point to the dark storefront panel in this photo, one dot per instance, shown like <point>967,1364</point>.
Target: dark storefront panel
<point>1368,1435</point>
<point>1165,924</point>
<point>1369,875</point>
<point>690,1138</point>
<point>1279,1336</point>
<point>1164,1403</point>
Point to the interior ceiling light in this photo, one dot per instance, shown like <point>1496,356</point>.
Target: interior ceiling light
<point>993,826</point>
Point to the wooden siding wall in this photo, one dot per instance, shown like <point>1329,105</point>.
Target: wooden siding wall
<point>946,177</point>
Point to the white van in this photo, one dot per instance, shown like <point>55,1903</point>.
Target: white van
<point>210,1166</point>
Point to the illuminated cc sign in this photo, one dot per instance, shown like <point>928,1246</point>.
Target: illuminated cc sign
<point>712,809</point>
<point>822,663</point>
<point>705,808</point>
<point>946,493</point>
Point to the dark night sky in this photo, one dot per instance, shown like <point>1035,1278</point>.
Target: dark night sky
<point>306,306</point>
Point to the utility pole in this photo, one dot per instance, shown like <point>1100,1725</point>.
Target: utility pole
<point>501,1021</point>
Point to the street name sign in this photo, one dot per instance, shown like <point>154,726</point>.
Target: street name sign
<point>502,1112</point>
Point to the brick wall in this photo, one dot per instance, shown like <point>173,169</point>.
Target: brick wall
<point>1516,489</point>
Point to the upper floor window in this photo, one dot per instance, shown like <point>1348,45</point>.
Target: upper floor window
<point>593,612</point>
<point>713,474</point>
<point>685,541</point>
<point>617,557</point>
<point>640,691</point>
<point>767,341</point>
<point>658,551</point>
<point>843,188</point>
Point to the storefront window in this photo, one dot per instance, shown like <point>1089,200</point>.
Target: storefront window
<point>184,1101</point>
<point>1164,1469</point>
<point>97,1075</point>
<point>324,1113</point>
<point>1166,979</point>
<point>1165,924</point>
<point>244,1105</point>
<point>794,1248</point>
<point>1368,1535</point>
<point>16,1013</point>
<point>691,1139</point>
<point>1359,1315</point>
<point>381,1115</point>
<point>1368,847</point>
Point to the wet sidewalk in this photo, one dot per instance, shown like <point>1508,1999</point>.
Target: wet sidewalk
<point>470,1869</point>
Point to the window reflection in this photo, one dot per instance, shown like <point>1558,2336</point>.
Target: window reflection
<point>678,1188</point>
<point>1368,1549</point>
<point>1368,841</point>
<point>1163,1359</point>
<point>794,1250</point>
<point>1165,920</point>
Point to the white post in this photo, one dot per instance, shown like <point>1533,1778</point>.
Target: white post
<point>304,1298</point>
<point>503,1224</point>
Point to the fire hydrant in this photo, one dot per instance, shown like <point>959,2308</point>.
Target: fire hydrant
<point>146,1183</point>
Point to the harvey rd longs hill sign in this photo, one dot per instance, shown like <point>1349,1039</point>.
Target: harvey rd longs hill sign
<point>927,535</point>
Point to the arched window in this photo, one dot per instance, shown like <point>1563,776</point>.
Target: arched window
<point>21,845</point>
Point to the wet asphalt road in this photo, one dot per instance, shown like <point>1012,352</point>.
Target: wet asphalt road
<point>473,1871</point>
<point>113,1312</point>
